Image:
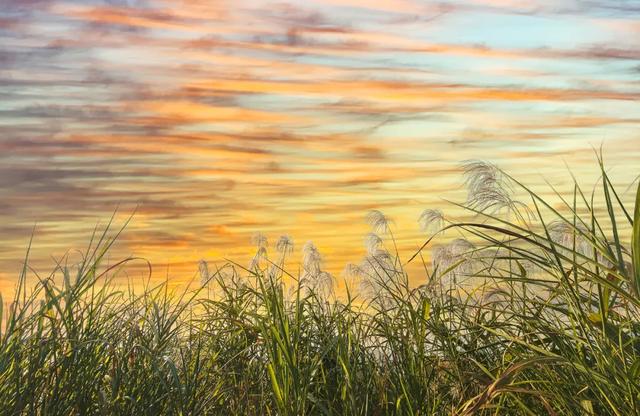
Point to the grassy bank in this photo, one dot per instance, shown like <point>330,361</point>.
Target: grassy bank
<point>531,309</point>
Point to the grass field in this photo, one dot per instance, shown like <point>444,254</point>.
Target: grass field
<point>533,309</point>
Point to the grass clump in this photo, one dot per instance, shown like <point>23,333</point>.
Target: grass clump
<point>532,309</point>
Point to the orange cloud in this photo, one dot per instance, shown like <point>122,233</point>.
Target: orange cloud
<point>399,91</point>
<point>393,6</point>
<point>185,112</point>
<point>132,17</point>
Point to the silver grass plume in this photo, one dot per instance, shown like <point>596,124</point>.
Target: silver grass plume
<point>352,270</point>
<point>368,289</point>
<point>431,220</point>
<point>376,271</point>
<point>284,245</point>
<point>563,234</point>
<point>313,277</point>
<point>486,186</point>
<point>461,246</point>
<point>259,240</point>
<point>261,243</point>
<point>353,273</point>
<point>454,259</point>
<point>320,283</point>
<point>311,258</point>
<point>379,222</point>
<point>203,267</point>
<point>372,242</point>
<point>379,263</point>
<point>261,253</point>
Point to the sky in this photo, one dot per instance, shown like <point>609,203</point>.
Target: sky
<point>213,120</point>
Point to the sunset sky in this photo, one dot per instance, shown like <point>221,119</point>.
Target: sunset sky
<point>218,119</point>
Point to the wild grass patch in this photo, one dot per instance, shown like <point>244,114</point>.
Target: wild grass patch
<point>532,309</point>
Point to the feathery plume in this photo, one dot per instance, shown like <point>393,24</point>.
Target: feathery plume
<point>203,267</point>
<point>377,264</point>
<point>563,234</point>
<point>285,244</point>
<point>376,271</point>
<point>352,270</point>
<point>259,240</point>
<point>368,289</point>
<point>431,220</point>
<point>379,222</point>
<point>261,253</point>
<point>372,242</point>
<point>321,283</point>
<point>461,246</point>
<point>353,274</point>
<point>486,187</point>
<point>454,259</point>
<point>311,258</point>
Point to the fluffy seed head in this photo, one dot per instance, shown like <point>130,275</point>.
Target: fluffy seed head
<point>261,253</point>
<point>203,267</point>
<point>372,242</point>
<point>454,259</point>
<point>379,222</point>
<point>486,187</point>
<point>352,270</point>
<point>284,244</point>
<point>431,220</point>
<point>259,240</point>
<point>311,258</point>
<point>321,283</point>
<point>563,233</point>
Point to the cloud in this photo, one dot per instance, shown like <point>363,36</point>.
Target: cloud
<point>392,6</point>
<point>129,18</point>
<point>16,6</point>
<point>409,92</point>
<point>219,118</point>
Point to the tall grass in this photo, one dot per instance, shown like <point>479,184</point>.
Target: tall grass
<point>534,309</point>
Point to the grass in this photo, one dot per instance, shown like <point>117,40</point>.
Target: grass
<point>533,310</point>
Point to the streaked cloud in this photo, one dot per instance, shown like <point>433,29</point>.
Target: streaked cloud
<point>218,119</point>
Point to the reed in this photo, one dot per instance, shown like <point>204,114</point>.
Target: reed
<point>534,310</point>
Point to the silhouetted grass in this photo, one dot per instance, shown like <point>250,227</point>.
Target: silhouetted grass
<point>533,310</point>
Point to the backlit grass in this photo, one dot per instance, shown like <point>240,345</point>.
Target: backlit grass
<point>532,309</point>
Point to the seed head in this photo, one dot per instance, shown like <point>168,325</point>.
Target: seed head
<point>311,258</point>
<point>431,220</point>
<point>563,234</point>
<point>284,244</point>
<point>259,240</point>
<point>372,242</point>
<point>203,267</point>
<point>486,187</point>
<point>379,222</point>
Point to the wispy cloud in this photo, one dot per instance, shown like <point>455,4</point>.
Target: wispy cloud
<point>216,119</point>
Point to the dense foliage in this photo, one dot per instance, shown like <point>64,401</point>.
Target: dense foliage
<point>534,309</point>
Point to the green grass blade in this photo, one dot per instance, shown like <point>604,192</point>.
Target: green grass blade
<point>635,242</point>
